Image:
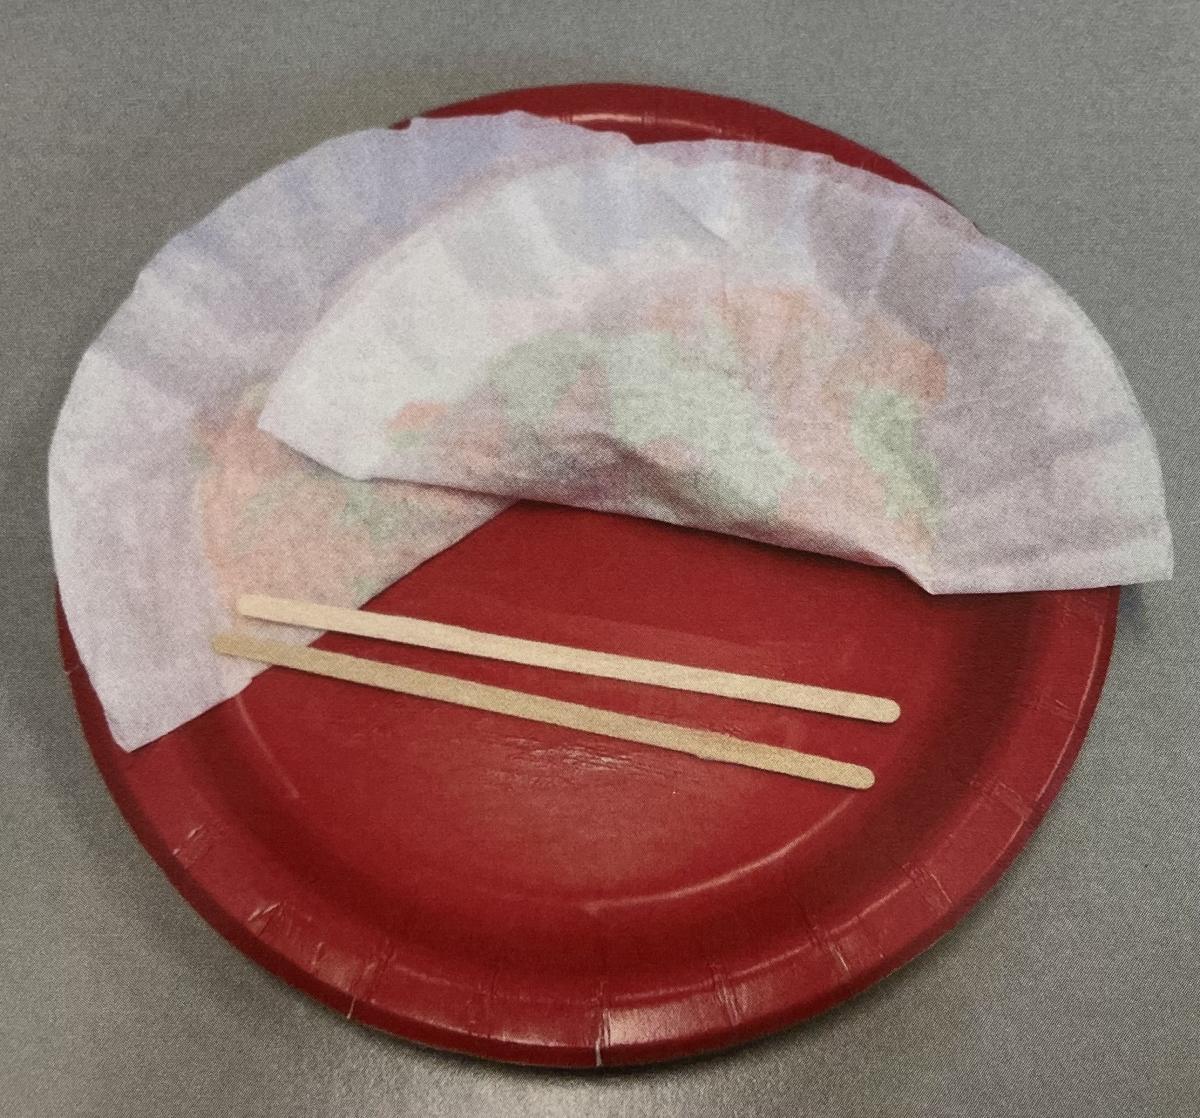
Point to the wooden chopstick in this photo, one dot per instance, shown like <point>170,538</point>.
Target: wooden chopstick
<point>498,700</point>
<point>452,638</point>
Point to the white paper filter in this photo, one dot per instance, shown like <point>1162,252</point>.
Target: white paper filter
<point>725,337</point>
<point>166,502</point>
<point>441,320</point>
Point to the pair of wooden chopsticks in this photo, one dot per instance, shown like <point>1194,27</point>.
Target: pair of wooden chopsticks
<point>499,700</point>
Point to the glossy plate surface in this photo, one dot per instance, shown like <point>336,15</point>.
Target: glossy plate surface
<point>526,893</point>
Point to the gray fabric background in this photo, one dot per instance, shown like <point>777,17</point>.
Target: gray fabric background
<point>1067,130</point>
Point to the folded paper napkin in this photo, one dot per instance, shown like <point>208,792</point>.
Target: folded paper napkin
<point>440,320</point>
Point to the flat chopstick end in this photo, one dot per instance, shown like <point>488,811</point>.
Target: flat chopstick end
<point>863,780</point>
<point>889,710</point>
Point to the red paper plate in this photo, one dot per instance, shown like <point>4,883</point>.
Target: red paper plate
<point>526,893</point>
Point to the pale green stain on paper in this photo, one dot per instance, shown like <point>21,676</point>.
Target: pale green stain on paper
<point>659,389</point>
<point>274,493</point>
<point>885,427</point>
<point>409,439</point>
<point>199,458</point>
<point>533,377</point>
<point>363,507</point>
